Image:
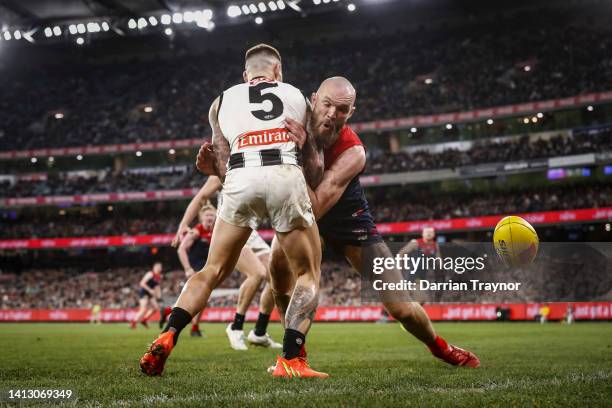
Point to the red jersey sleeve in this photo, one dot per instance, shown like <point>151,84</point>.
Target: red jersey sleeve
<point>346,139</point>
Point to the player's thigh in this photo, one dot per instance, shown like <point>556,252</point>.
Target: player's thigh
<point>302,246</point>
<point>153,304</point>
<point>226,245</point>
<point>143,302</point>
<point>249,264</point>
<point>357,255</point>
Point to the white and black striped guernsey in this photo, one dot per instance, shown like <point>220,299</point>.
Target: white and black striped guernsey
<point>252,118</point>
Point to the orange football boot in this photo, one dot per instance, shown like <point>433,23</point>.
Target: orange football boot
<point>152,363</point>
<point>295,368</point>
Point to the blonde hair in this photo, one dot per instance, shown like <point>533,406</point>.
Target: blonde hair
<point>207,206</point>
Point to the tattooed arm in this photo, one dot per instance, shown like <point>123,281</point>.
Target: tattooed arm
<point>220,143</point>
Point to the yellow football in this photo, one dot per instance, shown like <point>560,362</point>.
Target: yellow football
<point>516,241</point>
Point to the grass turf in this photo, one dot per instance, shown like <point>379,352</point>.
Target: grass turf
<point>370,364</point>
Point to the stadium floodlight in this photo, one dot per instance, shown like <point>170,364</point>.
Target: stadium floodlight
<point>148,109</point>
<point>57,31</point>
<point>171,151</point>
<point>233,11</point>
<point>79,157</point>
<point>80,41</point>
<point>207,14</point>
<point>489,121</point>
<point>590,108</point>
<point>428,81</point>
<point>142,23</point>
<point>534,119</point>
<point>413,129</point>
<point>527,68</point>
<point>211,26</point>
<point>153,21</point>
<point>272,6</point>
<point>132,24</point>
<point>59,115</point>
<point>33,159</point>
<point>262,7</point>
<point>281,4</point>
<point>177,18</point>
<point>81,28</point>
<point>188,16</point>
<point>48,32</point>
<point>138,153</point>
<point>449,126</point>
<point>245,9</point>
<point>526,121</point>
<point>168,31</point>
<point>72,29</point>
<point>166,19</point>
<point>51,159</point>
<point>7,35</point>
<point>540,115</point>
<point>326,1</point>
<point>253,8</point>
<point>17,35</point>
<point>316,2</point>
<point>258,20</point>
<point>351,7</point>
<point>105,26</point>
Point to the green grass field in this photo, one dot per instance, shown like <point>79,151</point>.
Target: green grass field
<point>370,364</point>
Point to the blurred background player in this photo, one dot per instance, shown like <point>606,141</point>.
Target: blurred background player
<point>426,245</point>
<point>149,293</point>
<point>193,250</point>
<point>95,313</point>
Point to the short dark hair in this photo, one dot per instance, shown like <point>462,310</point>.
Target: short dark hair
<point>264,49</point>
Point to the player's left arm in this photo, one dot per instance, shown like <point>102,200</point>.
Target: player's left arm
<point>220,144</point>
<point>184,247</point>
<point>335,180</point>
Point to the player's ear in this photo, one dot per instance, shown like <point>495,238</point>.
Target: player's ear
<point>351,112</point>
<point>245,76</point>
<point>313,98</point>
<point>278,72</point>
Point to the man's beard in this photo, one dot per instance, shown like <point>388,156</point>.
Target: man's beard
<point>325,140</point>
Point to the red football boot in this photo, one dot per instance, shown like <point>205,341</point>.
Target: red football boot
<point>452,354</point>
<point>152,363</point>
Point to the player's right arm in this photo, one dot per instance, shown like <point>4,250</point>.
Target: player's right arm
<point>184,247</point>
<point>143,283</point>
<point>220,144</point>
<point>335,180</point>
<point>210,187</point>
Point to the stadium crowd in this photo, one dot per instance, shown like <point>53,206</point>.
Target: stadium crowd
<point>526,55</point>
<point>118,288</point>
<point>387,205</point>
<point>105,181</point>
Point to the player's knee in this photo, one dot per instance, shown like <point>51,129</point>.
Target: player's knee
<point>401,311</point>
